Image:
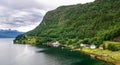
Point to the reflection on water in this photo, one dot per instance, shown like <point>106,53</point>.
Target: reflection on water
<point>25,53</point>
<point>16,54</point>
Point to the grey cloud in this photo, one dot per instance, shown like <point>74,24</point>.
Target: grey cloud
<point>22,4</point>
<point>11,15</point>
<point>9,21</point>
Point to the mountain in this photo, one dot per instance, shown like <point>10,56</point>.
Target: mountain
<point>90,23</point>
<point>9,33</point>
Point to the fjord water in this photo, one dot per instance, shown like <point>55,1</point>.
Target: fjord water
<point>16,54</point>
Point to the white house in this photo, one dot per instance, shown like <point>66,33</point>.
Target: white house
<point>92,46</point>
<point>56,44</point>
<point>81,44</point>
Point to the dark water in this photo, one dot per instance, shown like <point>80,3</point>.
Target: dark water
<point>15,54</point>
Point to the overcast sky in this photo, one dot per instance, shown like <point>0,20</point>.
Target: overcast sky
<point>25,15</point>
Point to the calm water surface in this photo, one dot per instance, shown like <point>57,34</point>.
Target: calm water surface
<point>16,54</point>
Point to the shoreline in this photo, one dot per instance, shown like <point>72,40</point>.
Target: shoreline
<point>99,57</point>
<point>96,55</point>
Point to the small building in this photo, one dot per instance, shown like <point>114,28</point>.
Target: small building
<point>86,45</point>
<point>56,44</point>
<point>92,46</point>
<point>81,44</point>
<point>101,47</point>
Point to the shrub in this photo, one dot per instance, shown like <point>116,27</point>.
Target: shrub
<point>113,46</point>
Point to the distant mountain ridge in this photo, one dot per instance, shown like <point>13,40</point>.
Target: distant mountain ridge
<point>9,33</point>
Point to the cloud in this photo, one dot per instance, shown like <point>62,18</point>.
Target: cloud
<point>15,19</point>
<point>55,3</point>
<point>24,15</point>
<point>21,4</point>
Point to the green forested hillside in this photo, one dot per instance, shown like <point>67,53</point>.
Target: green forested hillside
<point>90,23</point>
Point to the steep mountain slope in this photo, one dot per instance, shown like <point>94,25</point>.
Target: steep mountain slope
<point>9,33</point>
<point>83,23</point>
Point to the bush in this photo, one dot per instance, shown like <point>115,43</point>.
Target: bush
<point>97,41</point>
<point>86,41</point>
<point>113,46</point>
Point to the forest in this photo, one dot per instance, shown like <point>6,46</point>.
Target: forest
<point>90,23</point>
